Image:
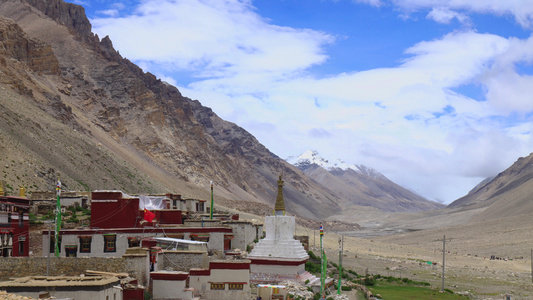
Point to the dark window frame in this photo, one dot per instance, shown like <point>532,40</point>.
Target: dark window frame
<point>218,286</point>
<point>53,243</point>
<point>235,286</point>
<point>85,244</point>
<point>110,243</point>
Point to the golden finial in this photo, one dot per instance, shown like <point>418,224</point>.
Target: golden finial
<point>279,208</point>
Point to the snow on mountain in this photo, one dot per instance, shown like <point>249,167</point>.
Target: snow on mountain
<point>311,157</point>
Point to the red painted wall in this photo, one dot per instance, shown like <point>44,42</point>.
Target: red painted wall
<point>19,230</point>
<point>110,210</point>
<point>168,216</point>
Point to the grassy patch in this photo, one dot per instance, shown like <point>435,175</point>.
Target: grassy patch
<point>399,292</point>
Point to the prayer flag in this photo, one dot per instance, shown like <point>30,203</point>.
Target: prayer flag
<point>325,265</point>
<point>58,187</point>
<point>321,230</point>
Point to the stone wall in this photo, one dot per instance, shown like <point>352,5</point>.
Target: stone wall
<point>135,266</point>
<point>181,260</point>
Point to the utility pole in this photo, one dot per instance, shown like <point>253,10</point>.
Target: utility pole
<point>443,259</point>
<point>212,205</point>
<point>322,275</point>
<point>48,250</point>
<point>341,248</point>
<point>58,216</point>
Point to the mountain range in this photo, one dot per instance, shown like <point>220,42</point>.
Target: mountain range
<point>360,185</point>
<point>72,107</point>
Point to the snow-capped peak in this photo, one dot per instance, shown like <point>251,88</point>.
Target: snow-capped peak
<point>311,157</point>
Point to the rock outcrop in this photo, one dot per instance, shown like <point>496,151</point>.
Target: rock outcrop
<point>15,44</point>
<point>144,120</point>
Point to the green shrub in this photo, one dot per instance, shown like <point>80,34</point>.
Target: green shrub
<point>73,219</point>
<point>369,281</point>
<point>34,220</point>
<point>352,272</point>
<point>49,216</point>
<point>346,288</point>
<point>311,267</point>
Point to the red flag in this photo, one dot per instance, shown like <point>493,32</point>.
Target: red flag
<point>148,215</point>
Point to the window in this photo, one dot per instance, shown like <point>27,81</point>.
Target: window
<point>71,251</point>
<point>85,244</point>
<point>218,286</point>
<point>110,243</point>
<point>53,243</point>
<point>21,219</point>
<point>21,247</point>
<point>235,286</point>
<point>201,238</point>
<point>134,242</point>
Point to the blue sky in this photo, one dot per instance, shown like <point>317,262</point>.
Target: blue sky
<point>436,95</point>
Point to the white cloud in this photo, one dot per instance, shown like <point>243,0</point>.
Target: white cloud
<point>445,16</point>
<point>228,39</point>
<point>522,10</point>
<point>109,12</point>
<point>406,121</point>
<point>376,3</point>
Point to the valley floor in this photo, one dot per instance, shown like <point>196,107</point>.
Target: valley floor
<point>468,266</point>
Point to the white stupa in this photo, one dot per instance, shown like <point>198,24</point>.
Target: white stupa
<point>278,256</point>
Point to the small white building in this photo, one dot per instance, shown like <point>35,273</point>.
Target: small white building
<point>113,242</point>
<point>79,288</point>
<point>225,279</point>
<point>171,285</point>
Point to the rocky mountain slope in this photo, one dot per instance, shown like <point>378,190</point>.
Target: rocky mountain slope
<point>73,105</point>
<point>506,195</point>
<point>360,185</point>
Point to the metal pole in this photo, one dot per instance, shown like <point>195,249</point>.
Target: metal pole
<point>48,250</point>
<point>321,264</point>
<point>58,217</point>
<point>341,242</point>
<point>212,205</point>
<point>443,259</point>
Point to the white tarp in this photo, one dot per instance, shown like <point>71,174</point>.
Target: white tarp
<point>152,202</point>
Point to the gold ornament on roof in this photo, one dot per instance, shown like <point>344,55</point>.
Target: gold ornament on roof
<point>279,208</point>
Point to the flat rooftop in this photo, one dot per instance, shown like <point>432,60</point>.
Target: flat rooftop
<point>54,281</point>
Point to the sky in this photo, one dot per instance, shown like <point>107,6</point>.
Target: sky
<point>434,94</point>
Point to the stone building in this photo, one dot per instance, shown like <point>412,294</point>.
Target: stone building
<point>119,221</point>
<point>223,279</point>
<point>79,288</point>
<point>14,224</point>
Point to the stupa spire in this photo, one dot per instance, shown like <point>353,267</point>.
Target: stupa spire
<point>279,208</point>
